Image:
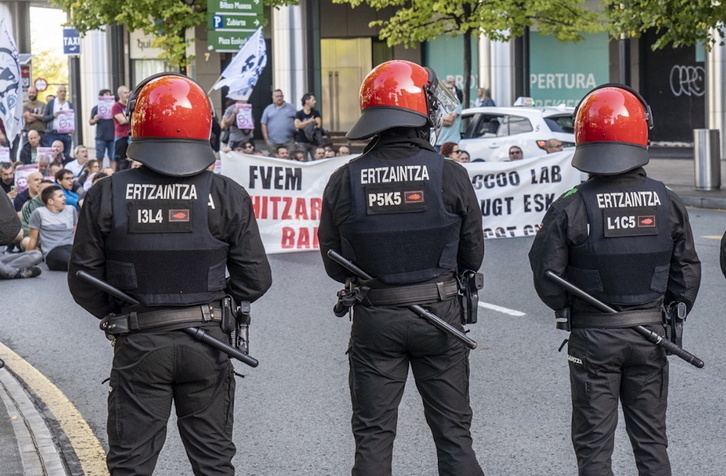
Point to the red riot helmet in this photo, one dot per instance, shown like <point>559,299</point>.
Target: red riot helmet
<point>612,123</point>
<point>400,93</point>
<point>171,123</point>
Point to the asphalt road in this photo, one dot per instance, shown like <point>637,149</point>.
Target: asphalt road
<point>292,412</point>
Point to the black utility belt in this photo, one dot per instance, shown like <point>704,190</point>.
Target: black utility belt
<point>140,321</point>
<point>412,294</point>
<point>618,320</point>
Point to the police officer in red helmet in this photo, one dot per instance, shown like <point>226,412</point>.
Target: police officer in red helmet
<point>165,234</point>
<point>410,219</point>
<point>626,240</point>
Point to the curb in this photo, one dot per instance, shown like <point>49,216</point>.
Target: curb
<point>36,447</point>
<point>704,202</point>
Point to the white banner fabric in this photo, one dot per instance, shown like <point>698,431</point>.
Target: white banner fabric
<point>287,195</point>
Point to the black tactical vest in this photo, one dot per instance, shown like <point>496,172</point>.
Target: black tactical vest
<point>626,259</point>
<point>160,249</point>
<point>399,230</point>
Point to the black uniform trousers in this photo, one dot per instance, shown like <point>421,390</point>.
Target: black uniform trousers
<point>384,342</point>
<point>150,369</point>
<point>607,365</point>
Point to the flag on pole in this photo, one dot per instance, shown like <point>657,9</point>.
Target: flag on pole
<point>245,68</point>
<point>11,104</point>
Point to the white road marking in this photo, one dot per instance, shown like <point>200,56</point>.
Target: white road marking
<point>501,309</point>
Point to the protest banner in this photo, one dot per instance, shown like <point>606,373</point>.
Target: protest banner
<point>513,196</point>
<point>287,196</point>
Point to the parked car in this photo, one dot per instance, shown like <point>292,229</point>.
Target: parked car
<point>489,132</point>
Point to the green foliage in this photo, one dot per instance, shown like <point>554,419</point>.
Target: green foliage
<point>52,67</point>
<point>167,19</point>
<point>677,22</point>
<point>422,20</point>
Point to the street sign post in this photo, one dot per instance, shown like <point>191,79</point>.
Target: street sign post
<point>41,84</point>
<point>230,23</point>
<point>71,42</point>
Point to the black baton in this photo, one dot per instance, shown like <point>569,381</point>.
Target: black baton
<point>197,333</point>
<point>653,337</point>
<point>427,315</point>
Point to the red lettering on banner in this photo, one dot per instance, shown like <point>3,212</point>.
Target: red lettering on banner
<point>286,208</point>
<point>299,238</point>
<point>286,212</point>
<point>316,204</point>
<point>301,210</point>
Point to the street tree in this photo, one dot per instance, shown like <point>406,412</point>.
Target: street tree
<point>52,67</point>
<point>675,22</point>
<point>417,21</point>
<point>167,20</point>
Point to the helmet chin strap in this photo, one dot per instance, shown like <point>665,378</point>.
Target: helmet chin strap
<point>429,134</point>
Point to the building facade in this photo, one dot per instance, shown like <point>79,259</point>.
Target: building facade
<point>326,48</point>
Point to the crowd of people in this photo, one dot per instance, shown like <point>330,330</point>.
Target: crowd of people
<point>46,159</point>
<point>288,133</point>
<point>46,179</point>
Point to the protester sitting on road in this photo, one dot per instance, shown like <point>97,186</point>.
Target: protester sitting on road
<point>20,265</point>
<point>33,180</point>
<point>7,181</point>
<point>15,265</point>
<point>28,209</point>
<point>51,229</point>
<point>64,178</point>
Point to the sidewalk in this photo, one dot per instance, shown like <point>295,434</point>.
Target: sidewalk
<point>26,444</point>
<point>679,175</point>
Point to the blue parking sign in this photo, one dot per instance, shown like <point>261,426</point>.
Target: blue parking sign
<point>71,41</point>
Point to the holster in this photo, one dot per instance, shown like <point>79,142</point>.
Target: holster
<point>349,296</point>
<point>243,319</point>
<point>229,315</point>
<point>470,282</point>
<point>675,317</point>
